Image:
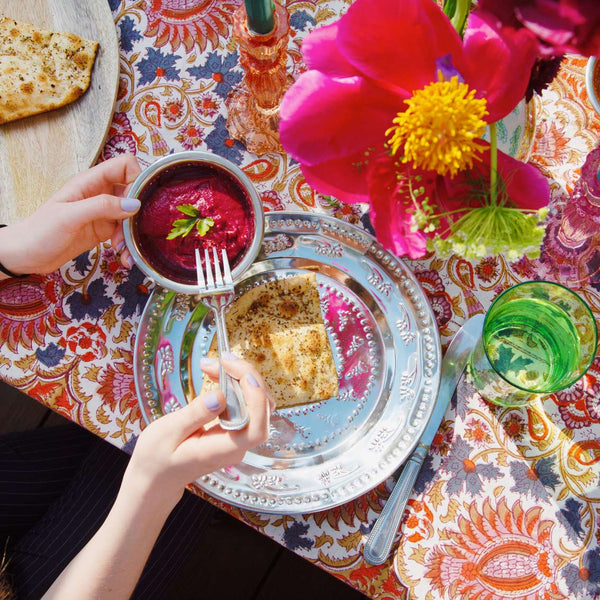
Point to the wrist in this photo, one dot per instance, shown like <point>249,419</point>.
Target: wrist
<point>160,498</point>
<point>11,253</point>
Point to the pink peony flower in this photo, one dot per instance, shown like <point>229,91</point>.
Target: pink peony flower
<point>363,67</point>
<point>335,119</point>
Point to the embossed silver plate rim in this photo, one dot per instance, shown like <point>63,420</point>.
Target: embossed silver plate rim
<point>381,424</point>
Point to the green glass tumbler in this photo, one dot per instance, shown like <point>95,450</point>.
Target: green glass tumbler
<point>538,338</point>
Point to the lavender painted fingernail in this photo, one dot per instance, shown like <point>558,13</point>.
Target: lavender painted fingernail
<point>130,204</point>
<point>128,261</point>
<point>211,401</point>
<point>252,380</point>
<point>205,361</point>
<point>230,356</point>
<point>120,246</point>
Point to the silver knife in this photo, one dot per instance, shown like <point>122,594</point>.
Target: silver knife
<point>380,540</point>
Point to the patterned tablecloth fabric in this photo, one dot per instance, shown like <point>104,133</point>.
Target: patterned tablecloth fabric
<point>508,502</point>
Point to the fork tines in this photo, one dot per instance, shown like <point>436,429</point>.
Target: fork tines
<point>226,270</point>
<point>199,272</point>
<point>219,279</point>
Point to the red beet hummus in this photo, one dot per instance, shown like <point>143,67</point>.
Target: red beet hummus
<point>216,194</point>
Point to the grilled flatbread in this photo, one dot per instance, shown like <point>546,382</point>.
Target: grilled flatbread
<point>279,327</point>
<point>41,70</point>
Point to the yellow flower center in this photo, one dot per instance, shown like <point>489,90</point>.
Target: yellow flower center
<point>441,127</point>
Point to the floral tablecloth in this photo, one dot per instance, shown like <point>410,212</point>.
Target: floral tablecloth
<point>508,502</point>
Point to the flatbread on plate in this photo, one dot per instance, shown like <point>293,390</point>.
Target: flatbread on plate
<point>41,70</point>
<point>279,327</point>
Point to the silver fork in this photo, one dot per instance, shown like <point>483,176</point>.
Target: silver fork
<point>217,293</point>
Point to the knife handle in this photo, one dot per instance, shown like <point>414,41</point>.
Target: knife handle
<point>379,543</point>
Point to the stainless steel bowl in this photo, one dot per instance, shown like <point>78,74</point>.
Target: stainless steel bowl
<point>187,158</point>
<point>592,92</point>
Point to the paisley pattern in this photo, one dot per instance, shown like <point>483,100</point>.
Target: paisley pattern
<point>507,504</point>
<point>502,549</point>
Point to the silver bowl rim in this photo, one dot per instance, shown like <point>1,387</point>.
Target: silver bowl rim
<point>589,84</point>
<point>207,158</point>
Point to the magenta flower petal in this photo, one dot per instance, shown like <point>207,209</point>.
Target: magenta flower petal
<point>561,26</point>
<point>552,24</point>
<point>391,213</point>
<point>339,177</point>
<point>393,230</point>
<point>564,26</point>
<point>497,64</point>
<point>323,118</point>
<point>397,43</point>
<point>526,186</point>
<point>320,52</point>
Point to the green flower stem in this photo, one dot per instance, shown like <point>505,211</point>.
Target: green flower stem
<point>493,165</point>
<point>459,19</point>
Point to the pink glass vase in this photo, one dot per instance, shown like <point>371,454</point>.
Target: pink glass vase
<point>571,252</point>
<point>253,106</point>
<point>581,214</point>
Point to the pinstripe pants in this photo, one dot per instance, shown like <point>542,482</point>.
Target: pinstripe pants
<point>57,486</point>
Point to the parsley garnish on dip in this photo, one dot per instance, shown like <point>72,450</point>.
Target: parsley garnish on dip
<point>193,221</point>
<point>216,207</point>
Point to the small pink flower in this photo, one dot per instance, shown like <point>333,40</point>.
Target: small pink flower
<point>207,105</point>
<point>172,111</point>
<point>190,136</point>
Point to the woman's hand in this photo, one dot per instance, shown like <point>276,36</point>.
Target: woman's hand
<point>182,446</point>
<point>87,210</point>
<point>171,452</point>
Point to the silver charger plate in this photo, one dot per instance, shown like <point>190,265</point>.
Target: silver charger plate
<point>387,353</point>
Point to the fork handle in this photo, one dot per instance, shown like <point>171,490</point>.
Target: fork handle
<point>235,415</point>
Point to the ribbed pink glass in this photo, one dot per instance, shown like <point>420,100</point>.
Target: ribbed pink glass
<point>581,214</point>
<point>253,107</point>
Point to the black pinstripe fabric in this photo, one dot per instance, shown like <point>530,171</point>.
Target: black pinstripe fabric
<point>75,512</point>
<point>35,468</point>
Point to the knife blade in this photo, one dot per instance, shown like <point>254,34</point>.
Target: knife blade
<point>380,540</point>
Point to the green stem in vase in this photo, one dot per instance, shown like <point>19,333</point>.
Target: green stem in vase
<point>458,12</point>
<point>493,226</point>
<point>493,165</point>
<point>260,16</point>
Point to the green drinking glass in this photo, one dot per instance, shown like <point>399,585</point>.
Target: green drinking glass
<point>538,338</point>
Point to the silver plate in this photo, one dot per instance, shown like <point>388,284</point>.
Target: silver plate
<point>387,352</point>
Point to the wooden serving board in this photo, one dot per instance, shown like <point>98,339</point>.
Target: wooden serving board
<point>39,154</point>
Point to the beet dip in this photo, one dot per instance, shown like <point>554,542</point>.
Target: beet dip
<point>216,194</point>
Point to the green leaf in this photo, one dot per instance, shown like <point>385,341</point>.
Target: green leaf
<point>189,209</point>
<point>189,228</point>
<point>181,227</point>
<point>204,225</point>
<point>175,232</point>
<point>183,223</point>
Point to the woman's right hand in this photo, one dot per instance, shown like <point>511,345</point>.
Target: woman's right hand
<point>87,210</point>
<point>180,447</point>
